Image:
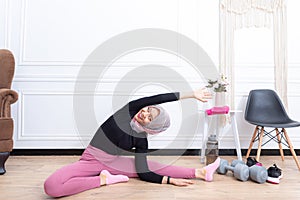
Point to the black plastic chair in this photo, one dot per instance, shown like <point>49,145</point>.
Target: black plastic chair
<point>265,109</point>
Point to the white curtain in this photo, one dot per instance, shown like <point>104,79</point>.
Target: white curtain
<point>237,14</point>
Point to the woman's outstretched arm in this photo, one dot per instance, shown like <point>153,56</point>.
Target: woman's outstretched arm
<point>201,94</point>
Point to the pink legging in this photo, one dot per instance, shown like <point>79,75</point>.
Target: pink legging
<point>84,174</point>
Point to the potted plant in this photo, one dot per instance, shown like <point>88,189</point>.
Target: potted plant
<point>219,88</point>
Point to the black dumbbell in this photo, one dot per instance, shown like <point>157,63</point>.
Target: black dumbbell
<point>239,169</point>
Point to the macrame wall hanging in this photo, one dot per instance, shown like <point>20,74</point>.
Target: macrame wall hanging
<point>237,14</point>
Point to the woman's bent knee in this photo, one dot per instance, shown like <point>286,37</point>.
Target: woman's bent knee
<point>52,187</point>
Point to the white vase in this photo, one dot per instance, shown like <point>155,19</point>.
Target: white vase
<point>220,99</point>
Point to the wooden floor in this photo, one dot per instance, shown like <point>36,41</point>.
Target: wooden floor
<point>26,174</point>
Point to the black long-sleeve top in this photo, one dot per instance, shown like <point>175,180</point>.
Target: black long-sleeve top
<point>116,135</point>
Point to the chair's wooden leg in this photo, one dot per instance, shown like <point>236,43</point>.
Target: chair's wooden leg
<point>279,144</point>
<point>291,148</point>
<point>252,141</point>
<point>259,143</point>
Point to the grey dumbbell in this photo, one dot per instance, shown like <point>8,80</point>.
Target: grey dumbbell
<point>239,169</point>
<point>258,174</point>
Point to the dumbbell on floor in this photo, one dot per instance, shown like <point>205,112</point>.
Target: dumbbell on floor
<point>239,169</point>
<point>258,174</point>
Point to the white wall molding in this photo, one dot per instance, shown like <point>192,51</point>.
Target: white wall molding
<point>26,19</point>
<point>72,79</point>
<point>45,134</point>
<point>51,49</point>
<point>23,18</point>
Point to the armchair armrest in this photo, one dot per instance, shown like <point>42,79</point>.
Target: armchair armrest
<point>7,97</point>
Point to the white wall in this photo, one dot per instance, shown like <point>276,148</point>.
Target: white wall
<point>254,68</point>
<point>51,39</point>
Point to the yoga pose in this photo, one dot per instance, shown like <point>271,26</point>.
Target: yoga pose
<point>102,164</point>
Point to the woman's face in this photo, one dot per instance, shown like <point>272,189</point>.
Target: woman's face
<point>146,115</point>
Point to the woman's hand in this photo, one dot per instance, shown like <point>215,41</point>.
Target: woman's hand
<point>180,182</point>
<point>202,94</point>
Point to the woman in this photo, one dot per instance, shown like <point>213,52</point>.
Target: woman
<point>127,129</point>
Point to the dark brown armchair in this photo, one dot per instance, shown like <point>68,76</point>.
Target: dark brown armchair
<point>7,97</point>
